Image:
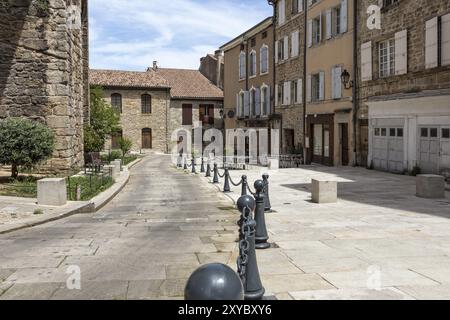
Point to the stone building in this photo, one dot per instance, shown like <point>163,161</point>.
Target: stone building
<point>249,75</point>
<point>404,85</point>
<point>289,66</point>
<point>329,103</point>
<point>212,67</point>
<point>158,101</point>
<point>43,70</point>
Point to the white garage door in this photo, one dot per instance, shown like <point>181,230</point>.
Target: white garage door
<point>434,149</point>
<point>388,149</point>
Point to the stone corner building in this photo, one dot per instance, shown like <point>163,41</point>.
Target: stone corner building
<point>44,70</point>
<point>155,103</point>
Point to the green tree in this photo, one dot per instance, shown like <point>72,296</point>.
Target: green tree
<point>125,145</point>
<point>24,143</point>
<point>103,122</point>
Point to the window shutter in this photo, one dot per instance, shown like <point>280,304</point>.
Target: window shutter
<point>309,3</point>
<point>300,91</point>
<point>276,95</point>
<point>445,47</point>
<point>310,24</point>
<point>300,5</point>
<point>308,88</point>
<point>257,102</point>
<point>401,52</point>
<point>322,86</point>
<point>295,43</point>
<point>286,48</point>
<point>246,104</point>
<point>282,11</point>
<point>320,27</point>
<point>237,105</point>
<point>366,61</point>
<point>268,100</point>
<point>276,51</point>
<point>344,13</point>
<point>328,21</point>
<point>431,43</point>
<point>287,93</point>
<point>254,63</point>
<point>336,80</point>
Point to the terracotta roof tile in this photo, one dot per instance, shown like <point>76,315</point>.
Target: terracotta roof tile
<point>133,79</point>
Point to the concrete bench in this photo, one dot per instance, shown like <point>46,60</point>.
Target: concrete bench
<point>52,192</point>
<point>430,186</point>
<point>324,191</point>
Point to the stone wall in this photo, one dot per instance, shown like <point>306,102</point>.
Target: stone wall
<point>43,73</point>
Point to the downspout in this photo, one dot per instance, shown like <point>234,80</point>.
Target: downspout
<point>305,40</point>
<point>355,80</point>
<point>167,119</point>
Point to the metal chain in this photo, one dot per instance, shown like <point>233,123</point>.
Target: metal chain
<point>220,175</point>
<point>234,184</point>
<point>251,192</point>
<point>244,245</point>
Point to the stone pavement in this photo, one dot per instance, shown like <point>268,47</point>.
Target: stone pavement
<point>144,244</point>
<point>378,242</point>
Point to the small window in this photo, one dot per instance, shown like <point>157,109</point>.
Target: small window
<point>146,103</point>
<point>116,102</point>
<point>433,133</point>
<point>264,34</point>
<point>424,132</point>
<point>377,132</point>
<point>383,132</point>
<point>446,133</point>
<point>252,63</point>
<point>253,42</point>
<point>399,132</point>
<point>392,132</point>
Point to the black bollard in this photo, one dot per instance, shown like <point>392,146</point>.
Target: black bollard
<point>214,281</point>
<point>244,186</point>
<point>226,184</point>
<point>244,202</point>
<point>202,167</point>
<point>185,167</point>
<point>193,165</point>
<point>216,174</point>
<point>261,230</point>
<point>253,288</point>
<point>208,170</point>
<point>267,205</point>
<point>180,161</point>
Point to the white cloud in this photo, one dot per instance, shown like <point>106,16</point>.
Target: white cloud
<point>131,34</point>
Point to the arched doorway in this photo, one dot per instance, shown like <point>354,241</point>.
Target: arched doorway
<point>146,138</point>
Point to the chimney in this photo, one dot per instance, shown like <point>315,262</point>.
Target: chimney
<point>155,65</point>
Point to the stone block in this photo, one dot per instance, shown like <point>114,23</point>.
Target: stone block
<point>274,164</point>
<point>324,191</point>
<point>430,186</point>
<point>52,192</point>
<point>115,171</point>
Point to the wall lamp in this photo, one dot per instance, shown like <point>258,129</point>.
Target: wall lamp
<point>345,77</point>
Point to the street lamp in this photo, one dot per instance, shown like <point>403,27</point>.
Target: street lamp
<point>345,77</point>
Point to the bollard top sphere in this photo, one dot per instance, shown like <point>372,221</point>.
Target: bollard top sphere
<point>246,201</point>
<point>265,176</point>
<point>259,186</point>
<point>214,281</point>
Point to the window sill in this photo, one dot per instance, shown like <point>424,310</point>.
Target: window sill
<point>264,73</point>
<point>252,77</point>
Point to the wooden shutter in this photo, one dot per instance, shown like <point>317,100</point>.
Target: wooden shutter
<point>308,88</point>
<point>322,86</point>
<point>401,52</point>
<point>282,11</point>
<point>257,102</point>
<point>310,24</point>
<point>295,43</point>
<point>300,91</point>
<point>445,46</point>
<point>187,114</point>
<point>286,48</point>
<point>276,95</point>
<point>246,104</point>
<point>287,93</point>
<point>366,61</point>
<point>329,24</point>
<point>344,15</point>
<point>336,82</point>
<point>431,43</point>
<point>276,51</point>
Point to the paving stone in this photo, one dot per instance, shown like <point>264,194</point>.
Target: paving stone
<point>30,291</point>
<point>294,282</point>
<point>441,292</point>
<point>352,294</point>
<point>205,258</point>
<point>173,287</point>
<point>93,290</point>
<point>144,290</point>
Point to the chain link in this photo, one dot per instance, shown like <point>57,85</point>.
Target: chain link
<point>234,184</point>
<point>244,244</point>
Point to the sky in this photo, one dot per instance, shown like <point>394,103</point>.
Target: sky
<point>131,34</point>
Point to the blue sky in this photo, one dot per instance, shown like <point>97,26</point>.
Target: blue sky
<point>130,34</point>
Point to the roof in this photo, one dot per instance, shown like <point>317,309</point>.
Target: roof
<point>248,34</point>
<point>127,79</point>
<point>190,84</point>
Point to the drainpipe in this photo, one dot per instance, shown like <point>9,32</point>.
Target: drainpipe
<point>167,119</point>
<point>305,50</point>
<point>355,80</point>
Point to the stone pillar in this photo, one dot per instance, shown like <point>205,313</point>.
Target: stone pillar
<point>52,192</point>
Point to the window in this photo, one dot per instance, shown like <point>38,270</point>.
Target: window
<point>281,12</point>
<point>315,87</point>
<point>206,114</point>
<point>115,137</point>
<point>253,102</point>
<point>387,3</point>
<point>317,30</point>
<point>387,58</point>
<point>294,91</point>
<point>241,104</point>
<point>446,133</point>
<point>116,102</point>
<point>146,103</point>
<point>383,132</point>
<point>295,8</point>
<point>336,21</point>
<point>433,132</point>
<point>280,93</point>
<point>281,50</point>
<point>264,57</point>
<point>377,132</point>
<point>265,100</point>
<point>392,132</point>
<point>264,35</point>
<point>399,132</point>
<point>252,64</point>
<point>437,42</point>
<point>253,42</point>
<point>186,114</point>
<point>424,132</point>
<point>242,66</point>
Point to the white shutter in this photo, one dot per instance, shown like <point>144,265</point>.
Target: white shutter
<point>268,100</point>
<point>286,48</point>
<point>310,24</point>
<point>309,3</point>
<point>237,106</point>
<point>276,95</point>
<point>276,51</point>
<point>336,82</point>
<point>344,14</point>
<point>445,46</point>
<point>254,63</point>
<point>328,21</point>
<point>366,61</point>
<point>300,5</point>
<point>258,102</point>
<point>322,86</point>
<point>287,93</point>
<point>308,88</point>
<point>300,91</point>
<point>431,43</point>
<point>281,11</point>
<point>295,43</point>
<point>246,104</point>
<point>401,52</point>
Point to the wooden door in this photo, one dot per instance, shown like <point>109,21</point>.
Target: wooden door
<point>344,144</point>
<point>146,138</point>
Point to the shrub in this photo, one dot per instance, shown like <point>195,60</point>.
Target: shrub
<point>113,155</point>
<point>125,145</point>
<point>38,211</point>
<point>24,143</point>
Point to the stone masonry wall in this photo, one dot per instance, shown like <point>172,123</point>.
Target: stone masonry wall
<point>42,70</point>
